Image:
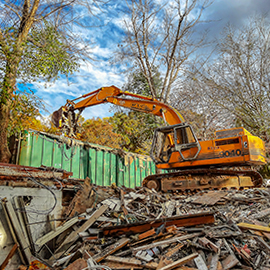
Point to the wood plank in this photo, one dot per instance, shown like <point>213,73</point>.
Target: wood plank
<point>168,241</point>
<point>17,228</point>
<point>52,234</point>
<point>74,236</point>
<point>180,262</point>
<point>248,226</point>
<point>111,249</point>
<point>9,256</point>
<point>12,232</point>
<point>199,262</point>
<point>26,222</point>
<point>131,261</point>
<point>229,262</point>
<point>215,264</point>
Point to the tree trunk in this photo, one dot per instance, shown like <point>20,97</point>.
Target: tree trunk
<point>9,83</point>
<point>5,154</point>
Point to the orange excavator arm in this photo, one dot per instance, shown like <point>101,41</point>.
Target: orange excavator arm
<point>65,117</point>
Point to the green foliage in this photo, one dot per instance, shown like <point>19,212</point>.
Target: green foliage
<point>137,130</point>
<point>24,112</point>
<point>47,55</point>
<point>137,83</point>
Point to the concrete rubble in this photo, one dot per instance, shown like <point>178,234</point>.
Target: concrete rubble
<point>122,228</point>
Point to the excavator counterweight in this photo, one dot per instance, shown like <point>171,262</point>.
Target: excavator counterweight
<point>224,162</point>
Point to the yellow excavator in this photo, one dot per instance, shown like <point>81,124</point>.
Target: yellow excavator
<point>222,163</point>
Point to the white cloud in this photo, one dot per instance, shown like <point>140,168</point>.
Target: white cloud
<point>100,73</point>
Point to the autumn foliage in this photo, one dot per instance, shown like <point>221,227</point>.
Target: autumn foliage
<point>100,131</point>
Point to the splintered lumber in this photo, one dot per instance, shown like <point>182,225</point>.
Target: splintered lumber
<point>168,241</point>
<point>131,261</point>
<point>179,221</point>
<point>52,234</point>
<point>248,226</point>
<point>256,222</point>
<point>110,249</point>
<point>147,234</point>
<point>75,234</point>
<point>261,242</point>
<point>180,262</point>
<point>173,250</point>
<point>261,214</point>
<point>207,243</point>
<point>9,256</point>
<point>230,262</point>
<point>215,259</point>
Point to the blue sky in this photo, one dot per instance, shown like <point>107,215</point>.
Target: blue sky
<point>105,39</point>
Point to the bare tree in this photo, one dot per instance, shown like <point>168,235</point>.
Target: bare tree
<point>194,102</point>
<point>37,42</point>
<point>238,80</point>
<point>162,36</point>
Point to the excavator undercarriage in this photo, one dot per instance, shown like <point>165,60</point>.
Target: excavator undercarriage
<point>194,180</point>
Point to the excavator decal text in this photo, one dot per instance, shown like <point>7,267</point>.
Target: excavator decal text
<point>141,107</point>
<point>231,153</point>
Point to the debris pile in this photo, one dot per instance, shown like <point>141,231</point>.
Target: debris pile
<point>121,228</point>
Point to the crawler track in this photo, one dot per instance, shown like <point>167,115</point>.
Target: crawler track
<point>202,179</point>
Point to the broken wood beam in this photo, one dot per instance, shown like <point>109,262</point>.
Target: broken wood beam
<point>179,221</point>
<point>131,261</point>
<point>74,236</point>
<point>207,243</point>
<point>110,249</point>
<point>180,262</point>
<point>9,256</point>
<point>147,234</point>
<point>168,241</point>
<point>52,234</point>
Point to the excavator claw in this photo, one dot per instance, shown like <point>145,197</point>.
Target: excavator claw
<point>66,120</point>
<point>57,117</point>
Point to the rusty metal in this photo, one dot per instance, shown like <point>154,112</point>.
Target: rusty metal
<point>210,198</point>
<point>13,172</point>
<point>179,221</point>
<point>201,179</point>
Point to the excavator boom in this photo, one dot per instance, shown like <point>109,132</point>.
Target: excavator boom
<point>176,147</point>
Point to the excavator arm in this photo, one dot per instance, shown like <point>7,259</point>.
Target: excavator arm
<point>66,118</point>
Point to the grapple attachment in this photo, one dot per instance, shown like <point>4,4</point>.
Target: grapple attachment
<point>67,120</point>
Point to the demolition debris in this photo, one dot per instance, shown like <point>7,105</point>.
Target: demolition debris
<point>122,228</point>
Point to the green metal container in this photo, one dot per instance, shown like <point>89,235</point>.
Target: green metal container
<point>103,165</point>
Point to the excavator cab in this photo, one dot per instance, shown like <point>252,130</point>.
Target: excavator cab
<point>177,138</point>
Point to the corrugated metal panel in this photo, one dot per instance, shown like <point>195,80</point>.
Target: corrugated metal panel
<point>102,165</point>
